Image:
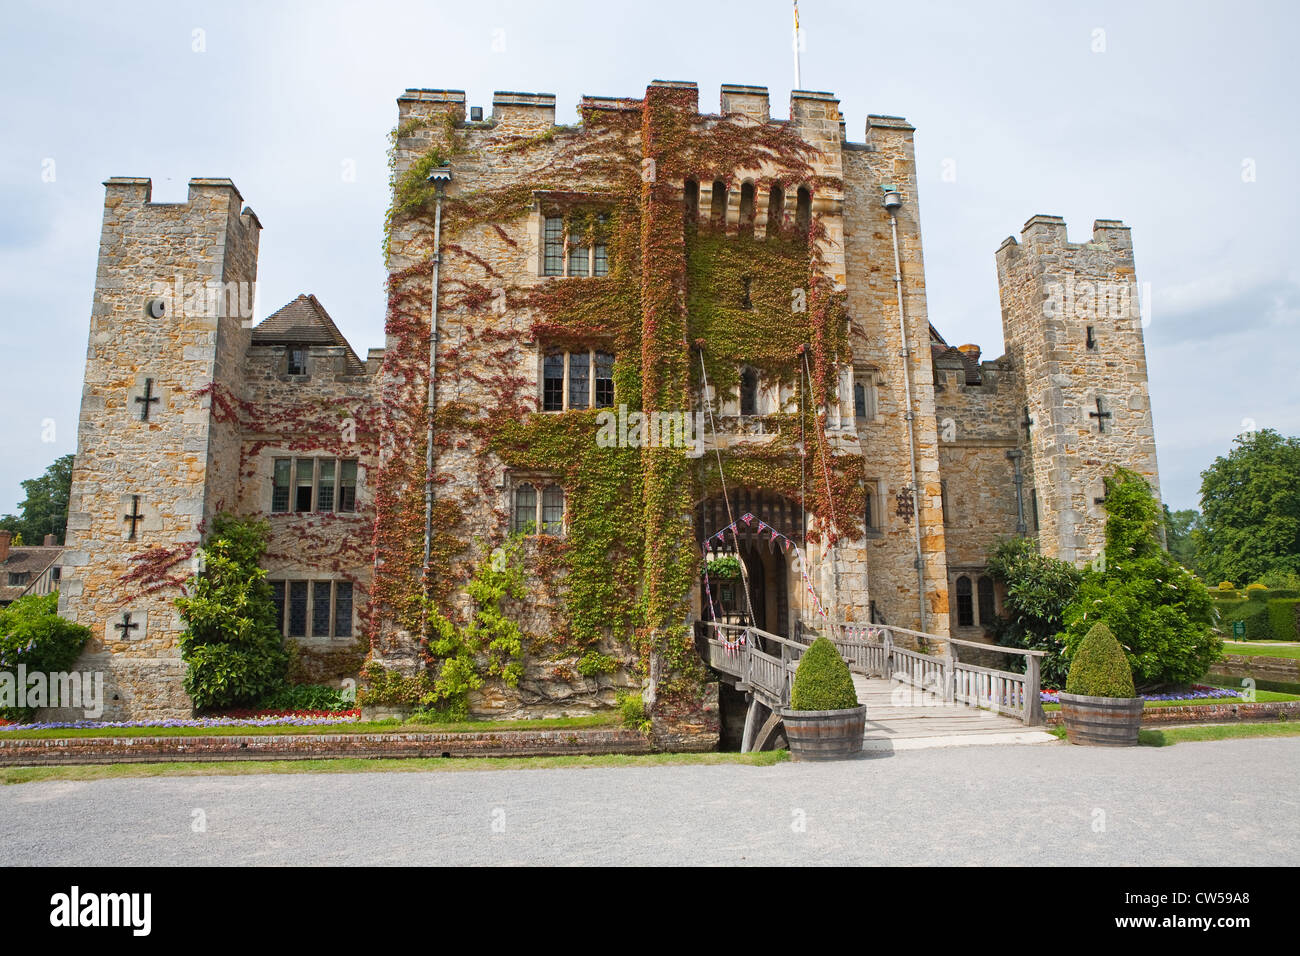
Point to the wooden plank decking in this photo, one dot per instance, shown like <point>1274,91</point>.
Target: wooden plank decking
<point>900,717</point>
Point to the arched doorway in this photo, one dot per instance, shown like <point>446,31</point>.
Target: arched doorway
<point>766,560</point>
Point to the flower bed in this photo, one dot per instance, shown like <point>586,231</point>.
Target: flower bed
<point>1197,692</point>
<point>300,718</point>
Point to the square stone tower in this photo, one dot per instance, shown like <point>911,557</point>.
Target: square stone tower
<point>156,456</point>
<point>1073,328</point>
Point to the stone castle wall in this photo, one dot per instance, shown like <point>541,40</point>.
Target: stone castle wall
<point>227,409</point>
<point>1053,291</point>
<point>178,461</point>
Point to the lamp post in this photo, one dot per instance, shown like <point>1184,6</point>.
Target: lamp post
<point>439,179</point>
<point>892,200</point>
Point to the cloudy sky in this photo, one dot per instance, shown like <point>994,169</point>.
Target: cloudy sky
<point>1179,118</point>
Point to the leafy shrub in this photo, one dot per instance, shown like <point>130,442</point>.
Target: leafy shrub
<point>1038,590</point>
<point>453,712</point>
<point>594,662</point>
<point>390,688</point>
<point>1099,667</point>
<point>306,697</point>
<point>1157,609</point>
<point>724,566</point>
<point>1284,619</point>
<point>1226,586</point>
<point>823,681</point>
<point>33,634</point>
<point>231,644</point>
<point>1282,580</point>
<point>631,709</point>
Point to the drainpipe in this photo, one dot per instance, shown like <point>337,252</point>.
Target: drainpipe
<point>439,178</point>
<point>892,200</point>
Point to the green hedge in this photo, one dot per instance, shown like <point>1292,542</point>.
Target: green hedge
<point>1284,619</point>
<point>1253,613</point>
<point>1272,620</point>
<point>1279,593</point>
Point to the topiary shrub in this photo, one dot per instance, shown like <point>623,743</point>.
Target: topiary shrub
<point>823,681</point>
<point>1099,667</point>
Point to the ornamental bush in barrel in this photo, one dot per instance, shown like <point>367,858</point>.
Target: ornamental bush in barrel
<point>824,720</point>
<point>1099,704</point>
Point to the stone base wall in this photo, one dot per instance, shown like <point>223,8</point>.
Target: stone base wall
<point>510,743</point>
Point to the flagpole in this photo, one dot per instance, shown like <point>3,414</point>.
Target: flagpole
<point>798,83</point>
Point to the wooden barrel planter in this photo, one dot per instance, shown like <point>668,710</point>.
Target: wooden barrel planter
<point>1102,721</point>
<point>825,734</point>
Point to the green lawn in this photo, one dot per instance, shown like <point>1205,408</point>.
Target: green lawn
<point>1177,735</point>
<point>1261,696</point>
<point>10,775</point>
<point>607,719</point>
<point>1291,651</point>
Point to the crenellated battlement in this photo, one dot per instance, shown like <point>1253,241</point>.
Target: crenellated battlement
<point>1045,235</point>
<point>132,197</point>
<point>815,113</point>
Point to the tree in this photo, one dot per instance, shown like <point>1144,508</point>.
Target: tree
<point>45,509</point>
<point>1038,589</point>
<point>1181,528</point>
<point>1250,502</point>
<point>232,647</point>
<point>1160,612</point>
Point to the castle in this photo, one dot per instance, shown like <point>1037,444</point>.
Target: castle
<point>756,282</point>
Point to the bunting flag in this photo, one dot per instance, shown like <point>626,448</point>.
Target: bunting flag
<point>786,544</point>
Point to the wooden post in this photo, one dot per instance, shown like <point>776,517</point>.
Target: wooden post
<point>751,725</point>
<point>1033,702</point>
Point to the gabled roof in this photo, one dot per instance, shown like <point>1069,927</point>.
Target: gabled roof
<point>304,321</point>
<point>35,560</point>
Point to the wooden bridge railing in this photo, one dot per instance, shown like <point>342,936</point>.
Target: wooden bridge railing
<point>750,655</point>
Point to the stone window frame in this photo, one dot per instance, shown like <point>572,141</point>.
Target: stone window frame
<point>559,259</point>
<point>337,504</point>
<point>868,378</point>
<point>593,381</point>
<point>281,589</point>
<point>873,510</point>
<point>541,484</point>
<point>289,351</point>
<point>964,602</point>
<point>977,580</point>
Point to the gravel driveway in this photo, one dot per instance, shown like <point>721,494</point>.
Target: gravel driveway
<point>1230,803</point>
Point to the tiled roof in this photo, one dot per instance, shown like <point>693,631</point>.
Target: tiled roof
<point>34,560</point>
<point>304,321</point>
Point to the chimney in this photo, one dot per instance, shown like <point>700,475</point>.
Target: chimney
<point>5,538</point>
<point>50,542</point>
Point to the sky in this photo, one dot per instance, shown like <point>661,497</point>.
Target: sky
<point>1178,118</point>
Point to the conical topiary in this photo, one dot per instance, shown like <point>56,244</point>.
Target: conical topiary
<point>1100,667</point>
<point>823,681</point>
